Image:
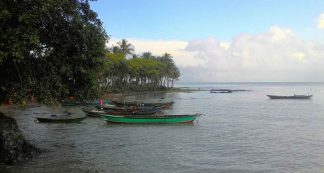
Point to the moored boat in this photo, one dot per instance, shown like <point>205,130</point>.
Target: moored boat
<point>94,113</point>
<point>76,103</point>
<point>144,104</point>
<point>60,119</point>
<point>99,113</point>
<point>221,91</point>
<point>129,108</point>
<point>111,112</point>
<point>290,97</point>
<point>147,119</point>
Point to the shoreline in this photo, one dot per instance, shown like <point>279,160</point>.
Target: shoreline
<point>111,95</point>
<point>122,95</point>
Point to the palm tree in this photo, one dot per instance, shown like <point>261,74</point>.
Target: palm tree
<point>166,55</point>
<point>147,55</point>
<point>125,47</point>
<point>116,49</point>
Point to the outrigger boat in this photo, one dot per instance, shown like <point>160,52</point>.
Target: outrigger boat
<point>132,119</point>
<point>290,97</point>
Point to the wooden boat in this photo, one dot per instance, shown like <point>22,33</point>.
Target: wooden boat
<point>99,113</point>
<point>132,119</point>
<point>60,119</point>
<point>76,103</point>
<point>290,97</point>
<point>221,91</point>
<point>226,90</point>
<point>94,113</point>
<point>144,104</point>
<point>112,112</point>
<point>129,109</point>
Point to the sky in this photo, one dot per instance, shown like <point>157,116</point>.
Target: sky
<point>224,40</point>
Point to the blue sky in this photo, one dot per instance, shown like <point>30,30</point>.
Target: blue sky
<point>225,40</point>
<point>196,19</point>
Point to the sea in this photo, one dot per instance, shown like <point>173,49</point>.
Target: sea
<point>239,132</point>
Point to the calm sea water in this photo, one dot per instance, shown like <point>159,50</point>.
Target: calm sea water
<point>240,132</point>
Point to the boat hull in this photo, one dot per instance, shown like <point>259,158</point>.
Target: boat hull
<point>94,113</point>
<point>163,105</point>
<point>133,119</point>
<point>130,109</point>
<point>60,120</point>
<point>290,97</point>
<point>131,112</point>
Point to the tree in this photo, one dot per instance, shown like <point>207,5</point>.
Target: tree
<point>146,72</point>
<point>147,55</point>
<point>116,50</point>
<point>125,47</point>
<point>49,50</point>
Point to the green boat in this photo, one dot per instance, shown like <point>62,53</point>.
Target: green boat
<point>151,118</point>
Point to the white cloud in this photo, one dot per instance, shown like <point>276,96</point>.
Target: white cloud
<point>158,47</point>
<point>275,55</point>
<point>320,24</point>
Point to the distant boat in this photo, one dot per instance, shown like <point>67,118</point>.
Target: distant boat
<point>221,91</point>
<point>290,97</point>
<point>226,90</point>
<point>148,119</point>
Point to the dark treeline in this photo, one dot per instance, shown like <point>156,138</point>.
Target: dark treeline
<point>140,72</point>
<point>51,50</point>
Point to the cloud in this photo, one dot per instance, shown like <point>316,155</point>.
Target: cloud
<point>320,24</point>
<point>158,47</point>
<point>275,55</point>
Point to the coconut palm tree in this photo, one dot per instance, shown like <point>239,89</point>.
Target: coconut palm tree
<point>125,47</point>
<point>147,55</point>
<point>116,49</point>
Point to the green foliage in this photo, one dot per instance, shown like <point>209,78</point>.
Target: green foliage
<point>146,72</point>
<point>125,47</point>
<point>50,50</point>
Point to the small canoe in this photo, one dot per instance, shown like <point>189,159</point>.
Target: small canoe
<point>290,97</point>
<point>60,119</point>
<point>132,119</point>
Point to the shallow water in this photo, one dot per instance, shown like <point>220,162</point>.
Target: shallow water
<point>241,132</point>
